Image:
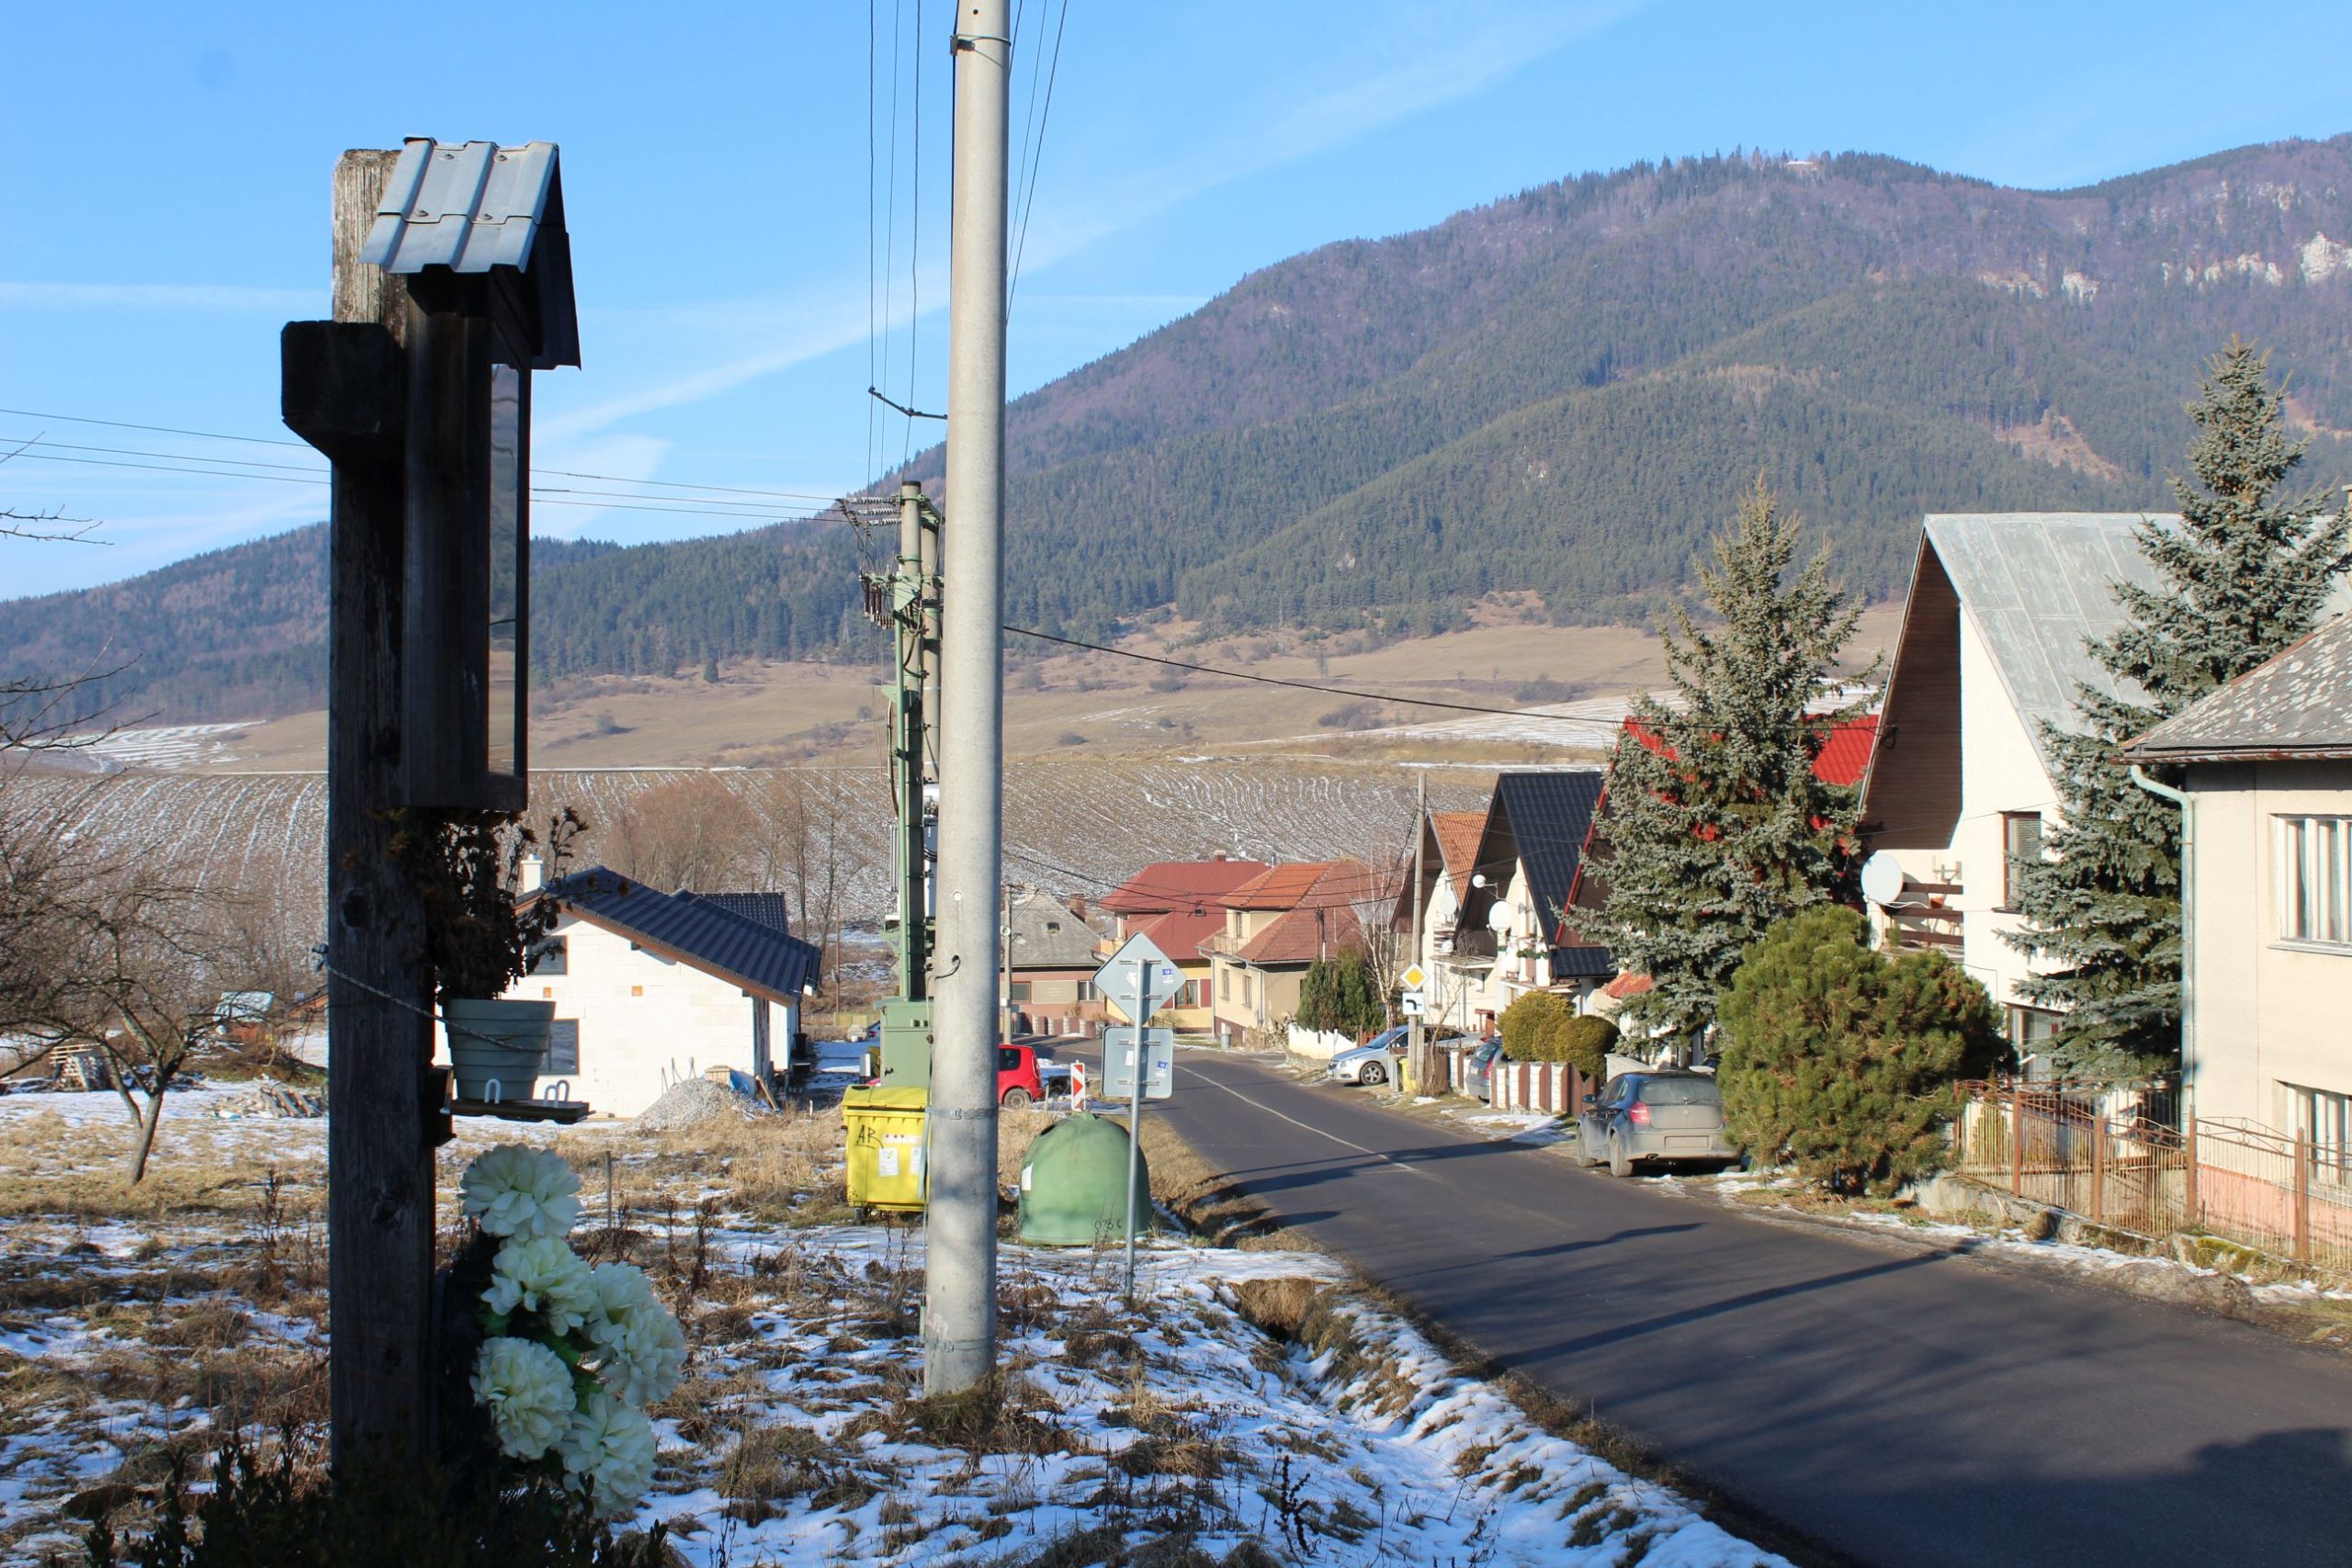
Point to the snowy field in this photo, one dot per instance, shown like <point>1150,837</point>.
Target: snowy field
<point>1252,1406</point>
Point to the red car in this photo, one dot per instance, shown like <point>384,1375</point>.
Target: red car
<point>1017,1083</point>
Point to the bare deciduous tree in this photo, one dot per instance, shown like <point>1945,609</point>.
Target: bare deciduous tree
<point>691,833</point>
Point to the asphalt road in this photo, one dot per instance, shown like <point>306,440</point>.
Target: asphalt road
<point>1896,1406</point>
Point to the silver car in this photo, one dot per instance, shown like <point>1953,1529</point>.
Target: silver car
<point>1662,1117</point>
<point>1373,1062</point>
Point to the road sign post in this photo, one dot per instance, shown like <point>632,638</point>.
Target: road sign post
<point>1138,980</point>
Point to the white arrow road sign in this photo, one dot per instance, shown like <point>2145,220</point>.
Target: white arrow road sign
<point>1139,979</point>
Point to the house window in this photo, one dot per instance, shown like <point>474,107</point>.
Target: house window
<point>563,1047</point>
<point>1225,985</point>
<point>2324,1120</point>
<point>2030,1029</point>
<point>2313,877</point>
<point>1021,990</point>
<point>1196,994</point>
<point>2020,848</point>
<point>552,956</point>
<point>1053,925</point>
<point>637,990</point>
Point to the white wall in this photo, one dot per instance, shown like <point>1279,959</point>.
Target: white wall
<point>645,1021</point>
<point>2269,1013</point>
<point>2000,771</point>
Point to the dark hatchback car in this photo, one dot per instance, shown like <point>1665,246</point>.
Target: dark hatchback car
<point>1664,1117</point>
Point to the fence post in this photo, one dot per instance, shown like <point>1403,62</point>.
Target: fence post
<point>2017,1143</point>
<point>2099,1166</point>
<point>2302,1197</point>
<point>2190,1218</point>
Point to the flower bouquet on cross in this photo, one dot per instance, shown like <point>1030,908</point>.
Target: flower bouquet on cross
<point>570,1355</point>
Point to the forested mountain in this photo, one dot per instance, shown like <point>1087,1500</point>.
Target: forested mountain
<point>1560,392</point>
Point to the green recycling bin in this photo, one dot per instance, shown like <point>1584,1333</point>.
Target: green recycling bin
<point>1074,1187</point>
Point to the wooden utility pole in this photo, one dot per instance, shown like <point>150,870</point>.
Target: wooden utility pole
<point>380,989</point>
<point>1416,1052</point>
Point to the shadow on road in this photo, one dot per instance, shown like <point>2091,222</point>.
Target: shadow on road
<point>1588,1242</point>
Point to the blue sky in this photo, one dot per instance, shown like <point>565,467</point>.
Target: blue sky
<point>162,208</point>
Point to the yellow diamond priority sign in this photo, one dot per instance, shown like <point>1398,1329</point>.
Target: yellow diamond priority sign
<point>1414,978</point>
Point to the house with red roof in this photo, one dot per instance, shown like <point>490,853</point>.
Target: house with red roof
<point>1177,904</point>
<point>1277,924</point>
<point>1844,761</point>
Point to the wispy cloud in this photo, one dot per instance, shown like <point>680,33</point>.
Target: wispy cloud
<point>211,297</point>
<point>1400,82</point>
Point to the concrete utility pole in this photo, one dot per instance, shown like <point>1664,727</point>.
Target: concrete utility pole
<point>959,1308</point>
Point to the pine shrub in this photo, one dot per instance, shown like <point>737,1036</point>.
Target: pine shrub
<point>1841,1060</point>
<point>1720,827</point>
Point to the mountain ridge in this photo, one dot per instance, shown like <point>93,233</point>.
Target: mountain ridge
<point>1558,391</point>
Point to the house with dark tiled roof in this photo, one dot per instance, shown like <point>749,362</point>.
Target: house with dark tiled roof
<point>1050,961</point>
<point>1176,903</point>
<point>652,988</point>
<point>1494,886</point>
<point>2268,762</point>
<point>1277,924</point>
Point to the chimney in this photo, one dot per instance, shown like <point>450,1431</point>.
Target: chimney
<point>535,873</point>
<point>1219,855</point>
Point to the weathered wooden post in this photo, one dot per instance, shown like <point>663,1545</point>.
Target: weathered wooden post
<point>435,275</point>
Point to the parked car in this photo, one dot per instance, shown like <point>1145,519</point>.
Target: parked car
<point>1477,1070</point>
<point>1376,1061</point>
<point>1018,1082</point>
<point>1667,1116</point>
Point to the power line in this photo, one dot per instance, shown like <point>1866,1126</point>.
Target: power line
<point>914,246</point>
<point>873,419</point>
<point>158,429</point>
<point>1020,245</point>
<point>257,463</point>
<point>1300,685</point>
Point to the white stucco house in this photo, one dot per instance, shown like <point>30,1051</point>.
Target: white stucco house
<point>2268,909</point>
<point>1496,888</point>
<point>1959,790</point>
<point>652,988</point>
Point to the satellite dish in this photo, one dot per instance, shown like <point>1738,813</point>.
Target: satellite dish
<point>1498,918</point>
<point>1882,880</point>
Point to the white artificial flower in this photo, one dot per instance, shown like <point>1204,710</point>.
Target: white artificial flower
<point>545,1276</point>
<point>608,1453</point>
<point>642,1349</point>
<point>516,1191</point>
<point>529,1393</point>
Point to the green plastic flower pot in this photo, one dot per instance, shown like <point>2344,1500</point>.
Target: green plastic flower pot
<point>497,1044</point>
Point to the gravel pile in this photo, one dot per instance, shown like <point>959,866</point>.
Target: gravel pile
<point>690,1102</point>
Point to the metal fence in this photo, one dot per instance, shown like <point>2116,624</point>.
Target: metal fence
<point>2111,1158</point>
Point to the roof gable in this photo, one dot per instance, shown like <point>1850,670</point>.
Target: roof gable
<point>1045,935</point>
<point>1540,823</point>
<point>693,930</point>
<point>765,909</point>
<point>2299,704</point>
<point>2039,587</point>
<point>1180,885</point>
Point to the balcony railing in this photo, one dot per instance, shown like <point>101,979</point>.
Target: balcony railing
<point>1463,944</point>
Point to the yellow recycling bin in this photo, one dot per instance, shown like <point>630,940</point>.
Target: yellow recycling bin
<point>886,1147</point>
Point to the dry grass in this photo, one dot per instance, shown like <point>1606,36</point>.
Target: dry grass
<point>50,1166</point>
